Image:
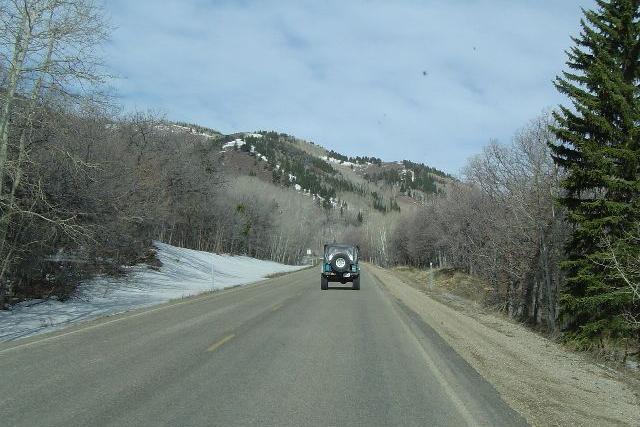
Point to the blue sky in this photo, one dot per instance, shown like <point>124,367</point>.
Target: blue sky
<point>430,80</point>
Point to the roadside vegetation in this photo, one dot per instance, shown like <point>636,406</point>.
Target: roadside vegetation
<point>549,222</point>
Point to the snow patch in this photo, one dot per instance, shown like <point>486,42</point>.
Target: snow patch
<point>179,128</point>
<point>403,172</point>
<point>232,144</point>
<point>237,143</point>
<point>184,272</point>
<point>340,162</point>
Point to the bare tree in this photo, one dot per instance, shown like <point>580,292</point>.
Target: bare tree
<point>501,224</point>
<point>47,56</point>
<point>623,264</point>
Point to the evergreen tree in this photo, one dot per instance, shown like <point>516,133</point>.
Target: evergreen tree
<point>276,176</point>
<point>599,150</point>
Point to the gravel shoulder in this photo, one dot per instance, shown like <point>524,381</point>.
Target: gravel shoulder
<point>544,382</point>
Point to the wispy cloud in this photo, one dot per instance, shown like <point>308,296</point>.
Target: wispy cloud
<point>430,81</point>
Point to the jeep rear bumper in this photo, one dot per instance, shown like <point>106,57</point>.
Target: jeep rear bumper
<point>348,276</point>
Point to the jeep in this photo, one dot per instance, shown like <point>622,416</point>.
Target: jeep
<point>340,264</point>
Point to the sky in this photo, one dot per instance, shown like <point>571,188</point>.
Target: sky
<point>431,81</point>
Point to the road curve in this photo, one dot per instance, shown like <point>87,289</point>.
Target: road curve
<point>277,353</point>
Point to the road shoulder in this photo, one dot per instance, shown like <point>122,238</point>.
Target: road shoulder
<point>545,383</point>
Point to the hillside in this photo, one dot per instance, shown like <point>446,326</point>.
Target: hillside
<point>330,179</point>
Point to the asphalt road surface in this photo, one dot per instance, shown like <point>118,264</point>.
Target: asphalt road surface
<point>277,353</point>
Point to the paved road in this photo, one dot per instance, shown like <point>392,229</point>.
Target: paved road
<point>279,353</point>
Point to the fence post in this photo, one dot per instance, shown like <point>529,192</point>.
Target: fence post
<point>430,276</point>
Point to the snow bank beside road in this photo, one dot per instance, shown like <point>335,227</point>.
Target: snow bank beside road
<point>184,272</point>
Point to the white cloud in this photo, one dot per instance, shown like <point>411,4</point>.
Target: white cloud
<point>348,75</point>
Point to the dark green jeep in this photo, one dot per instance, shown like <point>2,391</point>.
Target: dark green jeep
<point>340,264</point>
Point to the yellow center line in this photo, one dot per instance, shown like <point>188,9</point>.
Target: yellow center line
<point>276,307</point>
<point>220,342</point>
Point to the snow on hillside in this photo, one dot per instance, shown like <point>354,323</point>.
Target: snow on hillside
<point>236,143</point>
<point>184,272</point>
<point>343,162</point>
<point>403,172</point>
<point>239,142</point>
<point>179,128</point>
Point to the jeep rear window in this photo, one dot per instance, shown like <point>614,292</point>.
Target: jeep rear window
<point>332,250</point>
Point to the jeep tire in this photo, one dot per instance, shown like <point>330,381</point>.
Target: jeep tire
<point>324,283</point>
<point>347,263</point>
<point>356,283</point>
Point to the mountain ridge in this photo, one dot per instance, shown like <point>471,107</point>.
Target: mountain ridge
<point>331,179</point>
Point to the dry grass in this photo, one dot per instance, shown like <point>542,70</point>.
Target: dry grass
<point>446,282</point>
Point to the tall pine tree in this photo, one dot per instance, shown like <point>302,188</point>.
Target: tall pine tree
<point>600,151</point>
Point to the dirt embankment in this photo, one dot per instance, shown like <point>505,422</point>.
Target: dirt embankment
<point>547,384</point>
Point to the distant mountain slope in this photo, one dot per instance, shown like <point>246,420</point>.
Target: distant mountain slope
<point>331,179</point>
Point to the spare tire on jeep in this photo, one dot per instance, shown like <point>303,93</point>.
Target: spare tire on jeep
<point>341,263</point>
